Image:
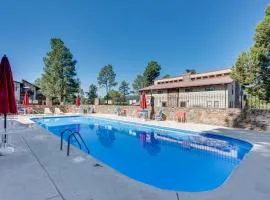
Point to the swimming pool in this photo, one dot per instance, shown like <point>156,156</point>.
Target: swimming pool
<point>166,158</point>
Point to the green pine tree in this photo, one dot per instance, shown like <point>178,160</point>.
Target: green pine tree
<point>106,78</point>
<point>124,89</point>
<point>139,83</point>
<point>92,94</point>
<point>151,72</point>
<point>59,79</point>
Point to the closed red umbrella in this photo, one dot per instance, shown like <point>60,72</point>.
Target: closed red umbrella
<point>78,101</point>
<point>143,104</point>
<point>26,99</point>
<point>7,96</point>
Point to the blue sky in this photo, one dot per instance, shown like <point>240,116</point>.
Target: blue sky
<point>179,34</point>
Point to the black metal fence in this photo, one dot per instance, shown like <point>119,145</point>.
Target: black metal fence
<point>218,100</point>
<point>214,100</point>
<point>252,102</point>
<point>199,100</point>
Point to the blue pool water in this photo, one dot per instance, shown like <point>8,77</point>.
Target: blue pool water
<point>165,158</point>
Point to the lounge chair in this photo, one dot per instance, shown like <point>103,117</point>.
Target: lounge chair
<point>57,111</point>
<point>47,111</point>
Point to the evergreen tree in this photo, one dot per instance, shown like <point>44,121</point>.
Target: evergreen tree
<point>106,78</point>
<point>151,72</point>
<point>124,89</point>
<point>82,97</point>
<point>139,83</point>
<point>59,77</point>
<point>166,76</point>
<point>92,94</point>
<point>191,71</point>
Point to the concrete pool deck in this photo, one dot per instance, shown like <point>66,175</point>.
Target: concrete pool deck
<point>39,170</point>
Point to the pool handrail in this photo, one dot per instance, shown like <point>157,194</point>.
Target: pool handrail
<point>69,138</point>
<point>62,135</point>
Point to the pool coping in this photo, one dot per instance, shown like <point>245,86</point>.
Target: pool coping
<point>248,181</point>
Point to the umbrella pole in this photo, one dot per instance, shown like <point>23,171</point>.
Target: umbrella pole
<point>5,122</point>
<point>4,138</point>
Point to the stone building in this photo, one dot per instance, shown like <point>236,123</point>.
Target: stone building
<point>213,89</point>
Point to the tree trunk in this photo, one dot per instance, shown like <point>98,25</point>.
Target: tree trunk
<point>48,101</point>
<point>107,91</point>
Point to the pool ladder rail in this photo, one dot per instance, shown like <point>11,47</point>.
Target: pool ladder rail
<point>73,134</point>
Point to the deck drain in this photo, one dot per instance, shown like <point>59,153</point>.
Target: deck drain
<point>97,165</point>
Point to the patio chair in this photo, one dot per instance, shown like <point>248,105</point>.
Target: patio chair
<point>181,116</point>
<point>91,109</point>
<point>21,110</point>
<point>57,111</point>
<point>81,110</point>
<point>70,110</point>
<point>143,113</point>
<point>47,111</point>
<point>29,110</point>
<point>159,116</point>
<point>117,111</point>
<point>137,112</point>
<point>123,112</point>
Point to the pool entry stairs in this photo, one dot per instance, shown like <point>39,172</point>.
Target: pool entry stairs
<point>76,136</point>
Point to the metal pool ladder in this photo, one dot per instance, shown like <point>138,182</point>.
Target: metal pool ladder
<point>73,134</point>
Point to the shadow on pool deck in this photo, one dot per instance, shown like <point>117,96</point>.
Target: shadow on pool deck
<point>38,170</point>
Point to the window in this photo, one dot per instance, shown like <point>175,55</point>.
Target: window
<point>216,104</point>
<point>232,90</point>
<point>163,104</point>
<point>188,90</point>
<point>210,89</point>
<point>183,104</point>
<point>209,104</point>
<point>160,91</point>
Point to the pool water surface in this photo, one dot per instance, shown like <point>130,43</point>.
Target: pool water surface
<point>169,159</point>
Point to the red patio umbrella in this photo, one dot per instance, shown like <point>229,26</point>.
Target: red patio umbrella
<point>78,101</point>
<point>26,99</point>
<point>7,96</point>
<point>143,104</point>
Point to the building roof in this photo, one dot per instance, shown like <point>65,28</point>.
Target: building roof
<point>206,79</point>
<point>30,83</point>
<point>224,70</point>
